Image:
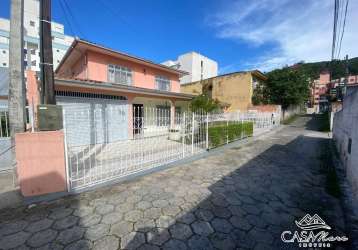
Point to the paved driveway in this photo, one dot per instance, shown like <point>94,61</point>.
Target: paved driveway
<point>241,198</point>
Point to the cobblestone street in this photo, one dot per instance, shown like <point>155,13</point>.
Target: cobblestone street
<point>242,197</point>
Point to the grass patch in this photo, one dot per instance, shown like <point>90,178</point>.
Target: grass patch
<point>332,184</point>
<point>290,119</point>
<point>324,121</point>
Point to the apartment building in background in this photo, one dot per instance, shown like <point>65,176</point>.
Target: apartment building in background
<point>324,89</point>
<point>60,41</point>
<point>198,66</point>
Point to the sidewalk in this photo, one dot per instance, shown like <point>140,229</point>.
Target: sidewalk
<point>9,195</point>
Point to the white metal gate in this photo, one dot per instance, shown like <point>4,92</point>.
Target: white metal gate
<point>160,140</point>
<point>155,137</point>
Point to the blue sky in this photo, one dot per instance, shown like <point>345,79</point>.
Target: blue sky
<point>240,35</point>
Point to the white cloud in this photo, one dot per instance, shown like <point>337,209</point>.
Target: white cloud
<point>299,30</point>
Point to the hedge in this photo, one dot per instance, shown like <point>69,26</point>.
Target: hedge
<point>222,132</point>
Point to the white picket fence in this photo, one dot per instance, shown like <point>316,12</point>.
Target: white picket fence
<point>156,138</point>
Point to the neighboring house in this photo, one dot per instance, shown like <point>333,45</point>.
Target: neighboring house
<point>319,91</point>
<point>32,95</point>
<point>60,41</point>
<point>115,91</point>
<point>325,88</point>
<point>233,90</point>
<point>198,66</point>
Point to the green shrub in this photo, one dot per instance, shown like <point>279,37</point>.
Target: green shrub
<point>222,132</point>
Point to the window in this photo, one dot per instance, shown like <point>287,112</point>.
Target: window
<point>57,50</point>
<point>4,51</point>
<point>25,51</point>
<point>162,83</point>
<point>4,64</point>
<point>32,23</point>
<point>119,74</point>
<point>33,63</point>
<point>33,52</point>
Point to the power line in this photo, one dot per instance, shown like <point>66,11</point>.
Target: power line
<point>335,17</point>
<point>338,26</point>
<point>344,25</point>
<point>72,17</point>
<point>67,21</point>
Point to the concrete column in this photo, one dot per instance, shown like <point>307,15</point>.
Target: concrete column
<point>17,84</point>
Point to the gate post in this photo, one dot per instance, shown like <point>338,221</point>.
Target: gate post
<point>66,153</point>
<point>183,135</point>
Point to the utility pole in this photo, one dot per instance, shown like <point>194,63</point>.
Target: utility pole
<point>17,84</point>
<point>46,62</point>
<point>346,78</point>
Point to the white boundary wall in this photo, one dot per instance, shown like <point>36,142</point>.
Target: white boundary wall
<point>345,135</point>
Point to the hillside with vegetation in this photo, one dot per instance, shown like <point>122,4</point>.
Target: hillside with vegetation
<point>290,85</point>
<point>338,68</point>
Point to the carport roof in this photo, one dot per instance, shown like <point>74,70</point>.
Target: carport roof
<point>120,88</point>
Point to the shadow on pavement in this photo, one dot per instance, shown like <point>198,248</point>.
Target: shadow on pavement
<point>237,199</point>
<point>251,206</point>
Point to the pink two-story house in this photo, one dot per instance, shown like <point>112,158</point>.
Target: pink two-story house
<point>108,95</point>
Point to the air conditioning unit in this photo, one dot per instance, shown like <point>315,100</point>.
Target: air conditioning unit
<point>49,117</point>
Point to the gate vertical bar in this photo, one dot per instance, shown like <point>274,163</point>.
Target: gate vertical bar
<point>192,133</point>
<point>227,130</point>
<point>66,152</point>
<point>183,134</point>
<point>207,131</point>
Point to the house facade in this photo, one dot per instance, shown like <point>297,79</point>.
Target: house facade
<point>108,95</point>
<point>234,90</point>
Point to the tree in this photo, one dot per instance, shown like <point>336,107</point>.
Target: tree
<point>204,103</point>
<point>287,87</point>
<point>259,95</point>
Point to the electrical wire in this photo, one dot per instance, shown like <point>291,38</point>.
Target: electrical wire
<point>343,28</point>
<point>73,18</point>
<point>67,20</point>
<point>336,4</point>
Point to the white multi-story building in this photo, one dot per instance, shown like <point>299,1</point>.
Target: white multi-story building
<point>198,66</point>
<point>60,41</point>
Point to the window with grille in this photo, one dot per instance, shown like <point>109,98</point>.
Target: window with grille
<point>162,83</point>
<point>119,74</point>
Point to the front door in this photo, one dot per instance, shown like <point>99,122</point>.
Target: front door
<point>137,118</point>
